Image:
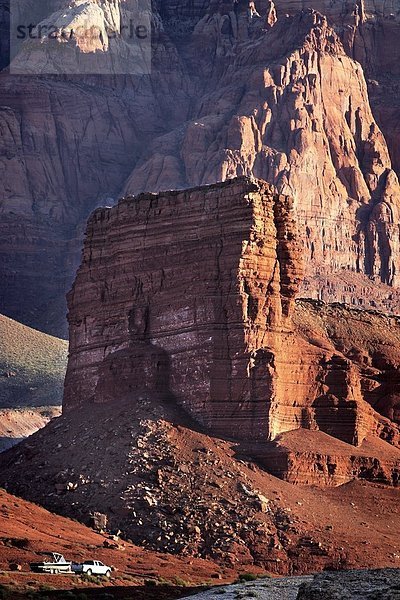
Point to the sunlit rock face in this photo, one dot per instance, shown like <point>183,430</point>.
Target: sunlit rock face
<point>186,295</point>
<point>231,91</point>
<point>189,297</point>
<point>293,109</point>
<point>82,37</point>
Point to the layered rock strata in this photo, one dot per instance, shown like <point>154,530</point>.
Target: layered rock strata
<point>67,146</point>
<point>190,296</point>
<point>229,93</point>
<point>183,294</point>
<point>298,116</point>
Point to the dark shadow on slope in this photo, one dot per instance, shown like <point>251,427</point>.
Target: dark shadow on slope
<point>150,591</point>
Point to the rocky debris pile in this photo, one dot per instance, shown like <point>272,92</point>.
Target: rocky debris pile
<point>166,487</point>
<point>28,530</point>
<point>193,506</point>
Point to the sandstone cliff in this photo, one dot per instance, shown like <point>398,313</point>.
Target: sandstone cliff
<point>186,300</point>
<point>298,116</point>
<point>190,296</point>
<point>227,95</point>
<point>182,294</point>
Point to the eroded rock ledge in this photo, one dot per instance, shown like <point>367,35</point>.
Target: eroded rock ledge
<point>189,296</point>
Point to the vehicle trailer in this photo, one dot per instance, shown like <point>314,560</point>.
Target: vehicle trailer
<point>53,563</point>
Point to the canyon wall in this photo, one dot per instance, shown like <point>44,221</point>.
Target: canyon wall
<point>292,108</point>
<point>189,297</point>
<point>227,95</point>
<point>67,145</point>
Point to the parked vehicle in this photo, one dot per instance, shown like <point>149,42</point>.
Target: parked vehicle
<point>54,563</point>
<point>92,567</point>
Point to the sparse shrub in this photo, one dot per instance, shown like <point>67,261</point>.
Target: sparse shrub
<point>163,581</point>
<point>246,577</point>
<point>181,582</point>
<point>46,588</point>
<point>4,593</point>
<point>92,579</point>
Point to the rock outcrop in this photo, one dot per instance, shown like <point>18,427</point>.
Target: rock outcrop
<point>189,296</point>
<point>354,585</point>
<point>183,294</point>
<point>349,585</point>
<point>298,116</point>
<point>369,31</point>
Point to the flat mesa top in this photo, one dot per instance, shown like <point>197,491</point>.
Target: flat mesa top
<point>248,184</point>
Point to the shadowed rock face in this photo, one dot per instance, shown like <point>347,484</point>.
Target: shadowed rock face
<point>189,297</point>
<point>227,95</point>
<point>67,146</point>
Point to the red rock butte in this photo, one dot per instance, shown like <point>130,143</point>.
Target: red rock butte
<point>189,296</point>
